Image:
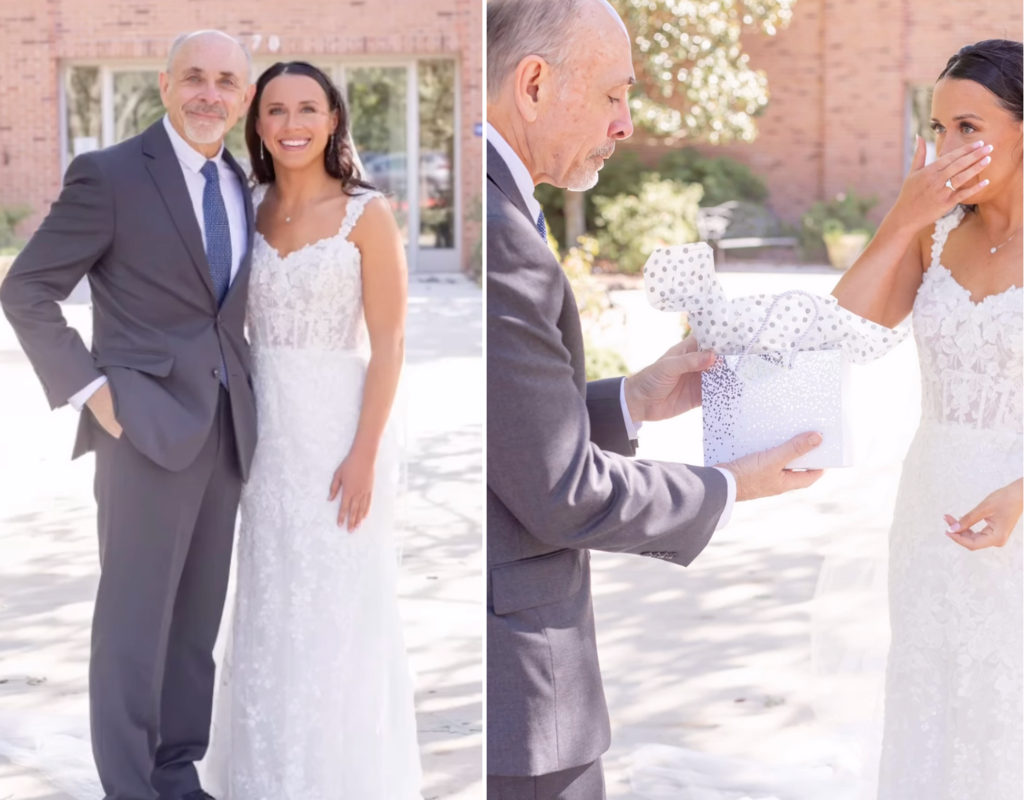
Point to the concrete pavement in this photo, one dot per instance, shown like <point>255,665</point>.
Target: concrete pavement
<point>48,563</point>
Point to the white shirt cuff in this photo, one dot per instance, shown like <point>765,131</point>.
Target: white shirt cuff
<point>730,498</point>
<point>631,429</point>
<point>80,398</point>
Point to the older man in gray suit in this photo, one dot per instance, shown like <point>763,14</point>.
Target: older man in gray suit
<point>559,477</point>
<point>162,226</point>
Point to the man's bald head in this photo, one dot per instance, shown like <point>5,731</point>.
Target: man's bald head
<point>208,36</point>
<point>207,86</point>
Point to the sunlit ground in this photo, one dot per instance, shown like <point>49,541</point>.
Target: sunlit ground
<point>716,657</point>
<point>48,562</point>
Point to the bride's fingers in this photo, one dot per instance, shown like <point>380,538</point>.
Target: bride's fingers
<point>968,520</point>
<point>945,163</point>
<point>356,516</point>
<point>345,509</point>
<point>335,485</point>
<point>961,179</point>
<point>975,541</point>
<point>969,191</point>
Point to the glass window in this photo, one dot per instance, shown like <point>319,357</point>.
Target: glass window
<point>377,107</point>
<point>920,119</point>
<point>437,154</point>
<point>137,103</point>
<point>82,88</point>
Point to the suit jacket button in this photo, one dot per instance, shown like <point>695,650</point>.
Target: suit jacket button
<point>216,372</point>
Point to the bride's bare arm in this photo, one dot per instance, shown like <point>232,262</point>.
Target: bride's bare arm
<point>385,293</point>
<point>883,282</point>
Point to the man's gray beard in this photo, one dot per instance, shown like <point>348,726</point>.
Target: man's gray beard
<point>582,178</point>
<point>205,132</point>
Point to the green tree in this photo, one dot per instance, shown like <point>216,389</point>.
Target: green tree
<point>693,78</point>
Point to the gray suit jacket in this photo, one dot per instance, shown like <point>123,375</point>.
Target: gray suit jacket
<point>124,218</point>
<point>559,483</point>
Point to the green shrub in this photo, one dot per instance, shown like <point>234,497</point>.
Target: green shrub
<point>604,362</point>
<point>578,265</point>
<point>631,227</point>
<point>723,178</point>
<point>10,216</point>
<point>847,212</point>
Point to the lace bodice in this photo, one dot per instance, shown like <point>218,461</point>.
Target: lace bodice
<point>971,353</point>
<point>310,299</point>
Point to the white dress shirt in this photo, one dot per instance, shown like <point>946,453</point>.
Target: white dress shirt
<point>191,162</point>
<point>525,184</point>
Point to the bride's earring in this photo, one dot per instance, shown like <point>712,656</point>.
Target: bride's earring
<point>263,155</point>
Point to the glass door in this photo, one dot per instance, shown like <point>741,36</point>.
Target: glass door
<point>378,110</point>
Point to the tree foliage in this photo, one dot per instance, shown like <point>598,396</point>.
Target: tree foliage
<point>693,78</point>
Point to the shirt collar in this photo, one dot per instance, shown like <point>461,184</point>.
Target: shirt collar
<point>186,153</point>
<point>520,174</point>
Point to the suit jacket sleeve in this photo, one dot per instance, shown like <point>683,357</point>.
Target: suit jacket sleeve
<point>541,460</point>
<point>607,427</point>
<point>73,237</point>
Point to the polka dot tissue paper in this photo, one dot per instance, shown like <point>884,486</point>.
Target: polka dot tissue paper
<point>783,364</point>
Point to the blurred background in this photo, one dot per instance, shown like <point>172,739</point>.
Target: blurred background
<point>78,76</point>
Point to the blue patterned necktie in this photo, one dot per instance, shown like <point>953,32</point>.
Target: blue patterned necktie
<point>542,229</point>
<point>218,241</point>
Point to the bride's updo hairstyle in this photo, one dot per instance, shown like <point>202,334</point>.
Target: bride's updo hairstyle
<point>997,65</point>
<point>339,160</point>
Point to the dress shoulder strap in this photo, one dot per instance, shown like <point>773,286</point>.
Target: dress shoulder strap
<point>354,210</point>
<point>942,228</point>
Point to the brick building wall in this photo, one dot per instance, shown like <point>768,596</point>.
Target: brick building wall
<point>838,77</point>
<point>37,36</point>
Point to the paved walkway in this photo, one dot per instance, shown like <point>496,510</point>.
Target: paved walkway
<point>48,565</point>
<point>717,657</point>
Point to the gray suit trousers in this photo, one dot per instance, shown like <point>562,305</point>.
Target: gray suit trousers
<point>578,783</point>
<point>165,551</point>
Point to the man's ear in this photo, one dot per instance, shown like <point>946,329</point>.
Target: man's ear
<point>531,75</point>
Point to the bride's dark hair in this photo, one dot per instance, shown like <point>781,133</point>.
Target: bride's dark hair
<point>996,64</point>
<point>338,158</point>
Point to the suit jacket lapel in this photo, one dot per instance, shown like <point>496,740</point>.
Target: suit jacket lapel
<point>165,170</point>
<point>498,171</point>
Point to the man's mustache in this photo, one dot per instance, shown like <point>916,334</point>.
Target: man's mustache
<point>202,108</point>
<point>604,151</point>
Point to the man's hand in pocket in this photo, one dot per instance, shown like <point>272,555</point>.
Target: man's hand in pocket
<point>101,404</point>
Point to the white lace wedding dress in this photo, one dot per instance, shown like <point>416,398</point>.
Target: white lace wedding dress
<point>954,711</point>
<point>315,700</point>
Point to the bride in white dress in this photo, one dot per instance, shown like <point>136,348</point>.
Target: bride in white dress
<point>950,256</point>
<point>316,702</point>
<point>954,696</point>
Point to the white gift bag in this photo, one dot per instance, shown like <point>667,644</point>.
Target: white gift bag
<point>783,364</point>
<point>757,402</point>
